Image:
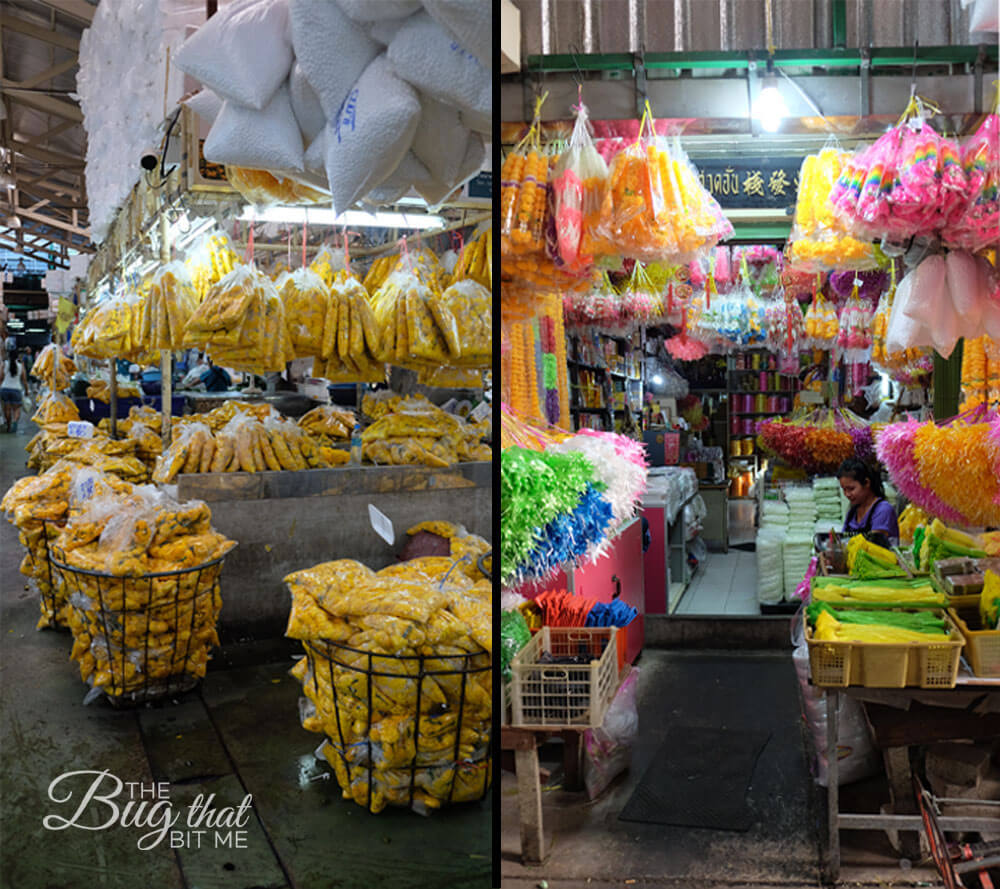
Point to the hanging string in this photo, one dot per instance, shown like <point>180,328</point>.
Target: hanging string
<point>404,250</point>
<point>769,26</point>
<point>305,235</point>
<point>248,256</point>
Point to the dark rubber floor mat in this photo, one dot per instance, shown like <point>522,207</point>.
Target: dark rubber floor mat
<point>699,778</point>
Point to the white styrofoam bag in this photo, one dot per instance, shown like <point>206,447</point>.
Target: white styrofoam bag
<point>471,21</point>
<point>478,123</point>
<point>371,135</point>
<point>305,105</point>
<point>263,140</point>
<point>426,55</point>
<point>206,104</point>
<point>243,52</point>
<point>434,192</point>
<point>385,30</point>
<point>315,157</point>
<point>399,182</point>
<point>440,141</point>
<point>368,11</point>
<point>332,49</point>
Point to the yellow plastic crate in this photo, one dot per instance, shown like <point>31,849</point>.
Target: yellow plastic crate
<point>546,695</point>
<point>886,665</point>
<point>982,647</point>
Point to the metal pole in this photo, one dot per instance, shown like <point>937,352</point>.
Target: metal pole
<point>166,359</point>
<point>113,387</point>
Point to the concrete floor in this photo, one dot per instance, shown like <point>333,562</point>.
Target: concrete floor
<point>588,846</point>
<point>238,734</point>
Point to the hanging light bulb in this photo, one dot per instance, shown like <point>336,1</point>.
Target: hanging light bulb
<point>770,108</point>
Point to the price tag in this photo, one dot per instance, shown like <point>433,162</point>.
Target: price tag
<point>80,429</point>
<point>481,411</point>
<point>382,525</point>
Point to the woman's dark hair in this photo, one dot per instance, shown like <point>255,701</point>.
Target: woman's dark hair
<point>12,362</point>
<point>862,472</point>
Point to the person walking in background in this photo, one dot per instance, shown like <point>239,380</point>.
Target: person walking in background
<point>12,390</point>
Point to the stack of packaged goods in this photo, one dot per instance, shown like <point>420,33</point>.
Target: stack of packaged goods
<point>414,431</point>
<point>396,674</point>
<point>797,547</point>
<point>37,506</point>
<point>829,504</point>
<point>53,368</point>
<point>770,571</point>
<point>142,570</point>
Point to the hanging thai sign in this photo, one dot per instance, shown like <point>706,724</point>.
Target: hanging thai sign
<point>757,183</point>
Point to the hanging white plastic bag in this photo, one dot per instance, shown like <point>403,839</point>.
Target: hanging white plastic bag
<point>206,104</point>
<point>434,192</point>
<point>440,140</point>
<point>400,181</point>
<point>371,134</point>
<point>262,140</point>
<point>607,750</point>
<point>985,16</point>
<point>306,106</point>
<point>332,49</point>
<point>931,304</point>
<point>243,52</point>
<point>471,23</point>
<point>367,11</point>
<point>902,331</point>
<point>426,55</point>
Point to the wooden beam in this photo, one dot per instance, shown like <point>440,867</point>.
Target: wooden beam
<point>14,23</point>
<point>61,127</point>
<point>65,201</point>
<point>53,237</point>
<point>48,220</point>
<point>78,9</point>
<point>46,75</point>
<point>50,184</point>
<point>27,251</point>
<point>45,104</point>
<point>45,155</point>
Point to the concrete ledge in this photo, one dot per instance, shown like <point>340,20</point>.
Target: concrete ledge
<point>718,632</point>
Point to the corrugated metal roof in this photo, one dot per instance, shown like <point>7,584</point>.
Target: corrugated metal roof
<point>562,26</point>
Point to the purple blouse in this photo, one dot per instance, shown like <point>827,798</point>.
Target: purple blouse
<point>883,518</point>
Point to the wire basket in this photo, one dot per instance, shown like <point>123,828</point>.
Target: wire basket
<point>404,730</point>
<point>142,638</point>
<point>41,578</point>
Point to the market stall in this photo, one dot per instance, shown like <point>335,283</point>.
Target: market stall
<point>284,350</point>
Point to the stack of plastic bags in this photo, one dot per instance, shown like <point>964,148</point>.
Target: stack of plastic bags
<point>241,324</point>
<point>413,431</point>
<point>829,509</point>
<point>770,566</point>
<point>396,674</point>
<point>135,637</point>
<point>797,547</point>
<point>357,101</point>
<point>53,368</point>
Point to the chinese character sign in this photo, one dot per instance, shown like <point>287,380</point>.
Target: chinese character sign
<point>770,183</point>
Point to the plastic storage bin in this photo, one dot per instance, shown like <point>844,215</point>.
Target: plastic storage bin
<point>548,695</point>
<point>886,665</point>
<point>982,647</point>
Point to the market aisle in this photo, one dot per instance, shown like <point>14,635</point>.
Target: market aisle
<point>239,735</point>
<point>726,584</point>
<point>704,689</point>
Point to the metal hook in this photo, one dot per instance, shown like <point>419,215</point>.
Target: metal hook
<point>913,75</point>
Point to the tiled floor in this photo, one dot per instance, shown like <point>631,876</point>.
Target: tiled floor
<point>725,583</point>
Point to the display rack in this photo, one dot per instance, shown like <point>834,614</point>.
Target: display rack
<point>618,384</point>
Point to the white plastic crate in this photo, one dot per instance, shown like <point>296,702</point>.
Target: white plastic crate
<point>547,695</point>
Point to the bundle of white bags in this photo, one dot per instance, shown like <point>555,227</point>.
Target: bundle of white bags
<point>361,98</point>
<point>942,300</point>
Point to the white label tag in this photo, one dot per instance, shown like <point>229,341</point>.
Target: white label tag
<point>481,411</point>
<point>80,429</point>
<point>382,525</point>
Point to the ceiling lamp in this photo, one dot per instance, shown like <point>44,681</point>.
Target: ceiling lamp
<point>13,221</point>
<point>770,108</point>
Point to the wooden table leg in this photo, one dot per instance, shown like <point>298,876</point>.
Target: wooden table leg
<point>897,769</point>
<point>529,802</point>
<point>573,779</point>
<point>832,785</point>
